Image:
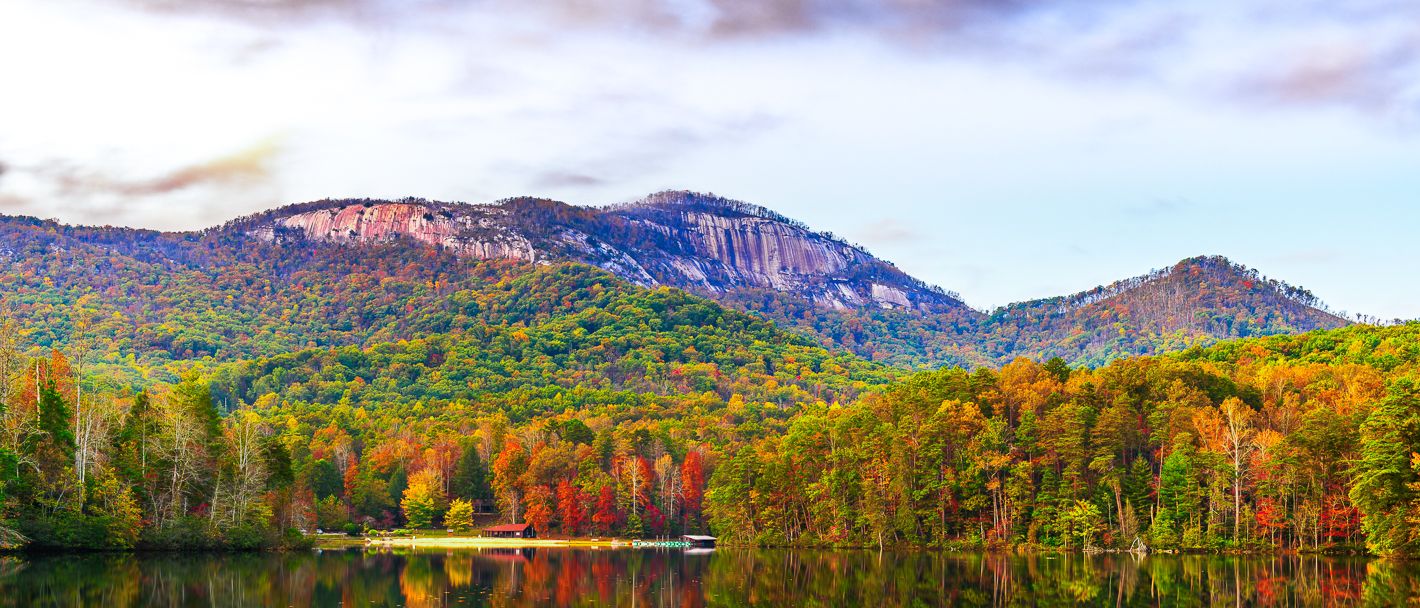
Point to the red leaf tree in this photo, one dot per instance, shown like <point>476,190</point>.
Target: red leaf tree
<point>692,475</point>
<point>606,516</point>
<point>569,504</point>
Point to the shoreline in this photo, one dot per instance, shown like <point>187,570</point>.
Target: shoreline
<point>466,542</point>
<point>481,542</point>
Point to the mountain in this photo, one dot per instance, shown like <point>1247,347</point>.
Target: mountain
<point>698,242</point>
<point>326,324</point>
<point>229,387</point>
<point>337,273</point>
<point>1196,301</point>
<point>336,362</point>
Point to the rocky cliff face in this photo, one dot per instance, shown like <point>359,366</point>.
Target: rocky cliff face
<point>723,246</point>
<point>475,235</point>
<point>693,241</point>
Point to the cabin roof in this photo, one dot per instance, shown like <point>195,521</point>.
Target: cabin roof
<point>507,528</point>
<point>697,537</point>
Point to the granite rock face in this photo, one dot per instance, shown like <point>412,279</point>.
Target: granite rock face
<point>693,241</point>
<point>365,223</point>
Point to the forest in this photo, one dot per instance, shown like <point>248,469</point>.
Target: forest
<point>1299,442</point>
<point>1303,442</point>
<point>210,452</point>
<point>207,390</point>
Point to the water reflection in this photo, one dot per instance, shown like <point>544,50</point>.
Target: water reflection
<point>583,577</point>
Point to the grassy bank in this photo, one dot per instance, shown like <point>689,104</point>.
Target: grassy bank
<point>438,539</point>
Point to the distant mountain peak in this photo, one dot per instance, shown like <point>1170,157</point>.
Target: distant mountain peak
<point>1216,271</point>
<point>706,202</point>
<point>684,198</point>
<point>1207,272</point>
<point>1198,298</point>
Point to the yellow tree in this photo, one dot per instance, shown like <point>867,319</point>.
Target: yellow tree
<point>1238,433</point>
<point>460,515</point>
<point>423,498</point>
<point>235,497</point>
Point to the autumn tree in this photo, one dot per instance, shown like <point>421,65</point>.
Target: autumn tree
<point>240,483</point>
<point>541,508</point>
<point>605,517</point>
<point>508,469</point>
<point>570,501</point>
<point>1239,433</point>
<point>460,515</point>
<point>423,499</point>
<point>188,442</point>
<point>692,487</point>
<point>1081,521</point>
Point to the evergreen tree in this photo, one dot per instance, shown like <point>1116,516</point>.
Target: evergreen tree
<point>55,420</point>
<point>1383,489</point>
<point>470,480</point>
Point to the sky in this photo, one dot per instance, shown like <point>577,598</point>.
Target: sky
<point>1003,149</point>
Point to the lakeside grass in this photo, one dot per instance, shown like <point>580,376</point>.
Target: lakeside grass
<point>440,539</point>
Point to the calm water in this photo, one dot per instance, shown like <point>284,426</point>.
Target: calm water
<point>583,577</point>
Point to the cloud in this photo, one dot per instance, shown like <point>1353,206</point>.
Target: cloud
<point>1185,47</point>
<point>564,179</point>
<point>741,18</point>
<point>1374,76</point>
<point>629,151</point>
<point>94,191</point>
<point>269,10</point>
<point>713,18</point>
<point>244,168</point>
<point>890,231</point>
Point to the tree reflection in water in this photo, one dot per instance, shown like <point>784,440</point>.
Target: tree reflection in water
<point>586,577</point>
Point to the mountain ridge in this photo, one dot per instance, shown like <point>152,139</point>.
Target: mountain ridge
<point>758,260</point>
<point>695,241</point>
<point>1203,297</point>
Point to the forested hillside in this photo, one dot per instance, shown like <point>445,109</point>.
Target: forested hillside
<point>223,388</point>
<point>1301,442</point>
<point>348,273</point>
<point>1195,302</point>
<point>155,298</point>
<point>103,447</point>
<point>1304,442</point>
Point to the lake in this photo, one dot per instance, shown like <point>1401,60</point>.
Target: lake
<point>723,577</point>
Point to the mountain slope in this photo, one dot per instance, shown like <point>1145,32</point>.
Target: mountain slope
<point>1196,301</point>
<point>697,242</point>
<point>350,272</point>
<point>557,337</point>
<point>393,321</point>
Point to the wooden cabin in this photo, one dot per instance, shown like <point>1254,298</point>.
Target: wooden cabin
<point>511,531</point>
<point>698,541</point>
